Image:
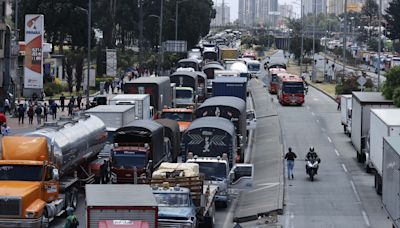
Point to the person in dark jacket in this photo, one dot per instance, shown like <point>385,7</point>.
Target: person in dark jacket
<point>62,102</point>
<point>21,114</point>
<point>290,157</point>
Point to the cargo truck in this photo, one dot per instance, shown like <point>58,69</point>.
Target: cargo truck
<point>139,148</point>
<point>202,85</point>
<point>172,132</point>
<point>41,173</point>
<point>191,62</point>
<point>183,198</point>
<point>113,116</point>
<point>228,53</point>
<point>159,89</point>
<point>186,88</point>
<point>362,103</point>
<point>232,109</point>
<point>345,113</point>
<point>384,123</point>
<point>391,178</point>
<point>230,86</point>
<point>143,110</point>
<point>120,202</point>
<point>209,69</point>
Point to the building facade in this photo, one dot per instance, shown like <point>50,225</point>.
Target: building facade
<point>320,6</point>
<point>222,16</point>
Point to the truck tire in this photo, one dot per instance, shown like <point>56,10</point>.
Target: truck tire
<point>358,158</point>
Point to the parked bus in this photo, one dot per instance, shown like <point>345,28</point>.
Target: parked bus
<point>290,90</point>
<point>273,79</point>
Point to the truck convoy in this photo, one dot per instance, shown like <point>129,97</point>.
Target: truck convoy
<point>384,123</point>
<point>391,178</point>
<point>120,202</point>
<point>143,110</point>
<point>37,171</point>
<point>157,87</point>
<point>183,198</point>
<point>232,109</point>
<point>345,113</point>
<point>362,103</point>
<point>186,88</point>
<point>139,148</point>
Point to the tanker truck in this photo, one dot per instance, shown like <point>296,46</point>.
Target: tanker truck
<point>41,172</point>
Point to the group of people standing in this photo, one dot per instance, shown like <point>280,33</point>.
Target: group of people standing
<point>32,109</point>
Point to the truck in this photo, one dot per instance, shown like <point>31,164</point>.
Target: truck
<point>232,109</point>
<point>191,62</point>
<point>113,116</point>
<point>384,123</point>
<point>391,178</point>
<point>186,88</point>
<point>345,112</point>
<point>202,85</point>
<point>143,110</point>
<point>210,139</point>
<point>157,87</point>
<point>120,202</point>
<point>172,132</point>
<point>183,198</point>
<point>42,171</point>
<point>209,69</point>
<point>139,148</point>
<point>362,103</point>
<point>226,73</point>
<point>228,53</point>
<point>123,224</point>
<point>254,67</point>
<point>184,116</point>
<point>230,86</point>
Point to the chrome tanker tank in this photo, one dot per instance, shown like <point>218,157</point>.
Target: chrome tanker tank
<point>73,141</point>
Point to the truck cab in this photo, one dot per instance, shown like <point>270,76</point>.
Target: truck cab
<point>175,207</point>
<point>185,96</point>
<point>184,116</point>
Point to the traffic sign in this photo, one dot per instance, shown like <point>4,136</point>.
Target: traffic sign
<point>361,80</point>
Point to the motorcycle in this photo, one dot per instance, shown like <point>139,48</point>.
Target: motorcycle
<point>312,167</point>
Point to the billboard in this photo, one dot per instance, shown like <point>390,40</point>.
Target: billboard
<point>33,66</point>
<point>111,60</point>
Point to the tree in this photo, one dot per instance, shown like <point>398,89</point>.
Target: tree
<point>392,82</point>
<point>396,97</point>
<point>373,44</point>
<point>370,11</point>
<point>392,18</point>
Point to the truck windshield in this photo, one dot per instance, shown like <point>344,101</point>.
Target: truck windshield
<point>293,87</point>
<point>184,93</point>
<point>253,67</point>
<point>213,170</point>
<point>21,172</point>
<point>172,199</point>
<point>129,159</point>
<point>178,116</point>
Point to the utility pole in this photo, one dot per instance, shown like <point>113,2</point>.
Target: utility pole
<point>223,13</point>
<point>176,18</point>
<point>314,73</point>
<point>141,33</point>
<point>379,44</point>
<point>88,52</point>
<point>302,37</point>
<point>344,37</point>
<point>326,37</point>
<point>160,51</point>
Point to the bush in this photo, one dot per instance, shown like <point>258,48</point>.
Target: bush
<point>396,97</point>
<point>392,82</point>
<point>50,89</point>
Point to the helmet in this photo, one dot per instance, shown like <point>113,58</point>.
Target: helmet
<point>312,149</point>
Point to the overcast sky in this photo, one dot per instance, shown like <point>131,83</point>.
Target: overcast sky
<point>234,6</point>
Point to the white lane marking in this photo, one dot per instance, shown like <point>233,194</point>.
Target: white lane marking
<point>329,139</point>
<point>312,113</point>
<point>315,99</point>
<point>366,220</point>
<point>265,186</point>
<point>344,168</point>
<point>355,191</point>
<point>337,153</point>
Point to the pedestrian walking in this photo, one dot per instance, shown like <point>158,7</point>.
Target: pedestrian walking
<point>62,102</point>
<point>79,101</point>
<point>72,100</point>
<point>45,112</point>
<point>72,220</point>
<point>7,106</point>
<point>53,108</point>
<point>21,114</point>
<point>290,157</point>
<point>30,114</point>
<point>70,108</point>
<point>338,100</point>
<point>5,130</point>
<point>38,112</point>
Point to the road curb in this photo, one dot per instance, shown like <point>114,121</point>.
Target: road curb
<point>323,91</point>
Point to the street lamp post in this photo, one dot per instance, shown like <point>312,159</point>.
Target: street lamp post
<point>315,20</point>
<point>344,37</point>
<point>379,44</point>
<point>160,51</point>
<point>89,12</point>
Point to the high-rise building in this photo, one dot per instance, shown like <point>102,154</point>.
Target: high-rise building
<point>247,12</point>
<point>310,4</point>
<point>222,16</point>
<point>335,7</point>
<point>286,10</point>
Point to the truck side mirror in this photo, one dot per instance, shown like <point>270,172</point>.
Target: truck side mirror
<point>243,175</point>
<point>55,174</point>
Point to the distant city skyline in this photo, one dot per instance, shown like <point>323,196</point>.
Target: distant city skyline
<point>234,5</point>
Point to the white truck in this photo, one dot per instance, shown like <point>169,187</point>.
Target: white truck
<point>384,123</point>
<point>362,103</point>
<point>114,116</point>
<point>143,110</point>
<point>345,113</point>
<point>391,178</point>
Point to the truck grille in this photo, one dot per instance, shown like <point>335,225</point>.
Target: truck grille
<point>10,206</point>
<point>164,224</point>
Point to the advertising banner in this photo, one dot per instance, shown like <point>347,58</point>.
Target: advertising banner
<point>33,66</point>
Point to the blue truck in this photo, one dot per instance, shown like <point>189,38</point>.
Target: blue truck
<point>230,86</point>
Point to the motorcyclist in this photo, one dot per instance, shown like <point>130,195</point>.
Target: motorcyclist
<point>312,155</point>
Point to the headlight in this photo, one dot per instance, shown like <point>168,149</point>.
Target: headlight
<point>29,214</point>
